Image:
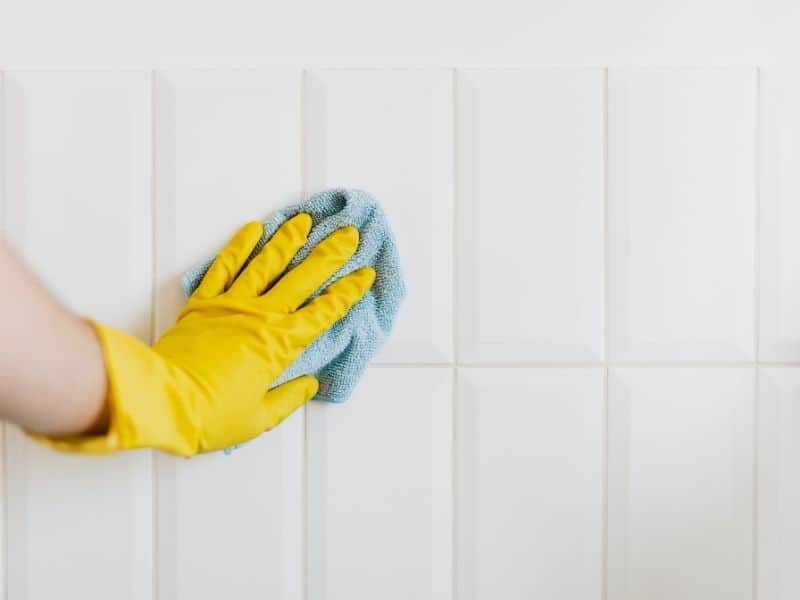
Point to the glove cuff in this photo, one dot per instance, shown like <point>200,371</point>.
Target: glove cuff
<point>146,409</point>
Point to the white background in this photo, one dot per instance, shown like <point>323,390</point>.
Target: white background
<point>593,392</point>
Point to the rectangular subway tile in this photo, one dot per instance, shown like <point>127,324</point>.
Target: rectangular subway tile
<point>681,214</point>
<point>680,483</point>
<point>227,151</point>
<point>390,132</point>
<point>77,157</point>
<point>778,484</point>
<point>379,489</point>
<point>530,483</point>
<point>530,215</point>
<point>779,144</point>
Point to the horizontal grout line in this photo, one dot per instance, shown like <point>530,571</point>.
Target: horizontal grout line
<point>579,365</point>
<point>413,365</point>
<point>545,65</point>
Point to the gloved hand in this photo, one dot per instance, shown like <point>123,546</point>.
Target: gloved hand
<point>203,385</point>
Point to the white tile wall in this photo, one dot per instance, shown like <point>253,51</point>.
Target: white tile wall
<point>779,483</point>
<point>379,489</point>
<point>227,150</point>
<point>590,392</point>
<point>779,145</point>
<point>77,195</point>
<point>681,214</point>
<point>391,132</point>
<point>530,215</point>
<point>530,474</point>
<point>680,483</point>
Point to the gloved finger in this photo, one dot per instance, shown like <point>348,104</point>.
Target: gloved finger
<point>273,258</point>
<point>297,285</point>
<point>330,306</point>
<point>230,261</point>
<point>282,401</point>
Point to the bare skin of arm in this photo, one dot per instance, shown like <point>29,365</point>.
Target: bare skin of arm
<point>52,372</point>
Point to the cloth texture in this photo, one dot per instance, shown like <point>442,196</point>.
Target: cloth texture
<point>338,357</point>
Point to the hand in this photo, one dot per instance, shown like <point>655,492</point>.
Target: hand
<point>204,385</point>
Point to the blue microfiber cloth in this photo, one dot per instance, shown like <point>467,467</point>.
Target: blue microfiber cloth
<point>340,355</point>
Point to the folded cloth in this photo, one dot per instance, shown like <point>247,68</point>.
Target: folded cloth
<point>339,356</point>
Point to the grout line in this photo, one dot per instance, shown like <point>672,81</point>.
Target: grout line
<point>153,215</point>
<point>606,338</point>
<point>454,482</point>
<point>302,171</point>
<point>756,415</point>
<point>454,194</point>
<point>454,266</point>
<point>604,492</point>
<point>154,583</point>
<point>446,365</point>
<point>4,428</point>
<point>302,124</point>
<point>756,318</point>
<point>757,220</point>
<point>304,535</point>
<point>606,236</point>
<point>583,365</point>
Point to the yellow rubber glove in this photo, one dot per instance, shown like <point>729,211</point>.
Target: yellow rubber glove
<point>203,385</point>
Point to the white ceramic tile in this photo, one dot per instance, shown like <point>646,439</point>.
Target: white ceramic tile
<point>379,489</point>
<point>779,126</point>
<point>681,214</point>
<point>530,483</point>
<point>530,215</point>
<point>227,151</point>
<point>231,525</point>
<point>778,484</point>
<point>390,132</point>
<point>680,483</point>
<point>77,166</point>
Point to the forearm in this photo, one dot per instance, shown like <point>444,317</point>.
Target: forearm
<point>52,373</point>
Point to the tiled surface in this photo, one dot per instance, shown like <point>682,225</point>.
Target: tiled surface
<point>379,489</point>
<point>530,475</point>
<point>590,391</point>
<point>779,187</point>
<point>391,132</point>
<point>530,215</point>
<point>227,150</point>
<point>681,214</point>
<point>77,191</point>
<point>779,483</point>
<point>680,483</point>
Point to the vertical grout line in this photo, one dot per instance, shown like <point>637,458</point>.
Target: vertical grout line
<point>454,462</point>
<point>153,324</point>
<point>606,336</point>
<point>756,319</point>
<point>757,217</point>
<point>756,418</point>
<point>4,426</point>
<point>606,236</point>
<point>604,470</point>
<point>305,473</point>
<point>454,483</point>
<point>454,194</point>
